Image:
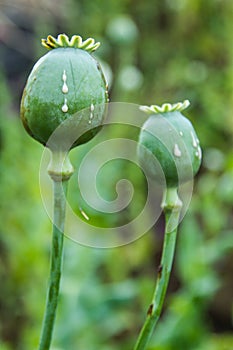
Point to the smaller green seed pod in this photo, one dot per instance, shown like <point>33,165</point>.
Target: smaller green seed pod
<point>168,142</point>
<point>63,82</point>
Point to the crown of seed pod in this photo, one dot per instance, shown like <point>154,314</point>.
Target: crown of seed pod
<point>64,81</point>
<point>168,144</point>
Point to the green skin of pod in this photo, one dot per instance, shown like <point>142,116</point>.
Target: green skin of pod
<point>169,148</point>
<point>42,101</point>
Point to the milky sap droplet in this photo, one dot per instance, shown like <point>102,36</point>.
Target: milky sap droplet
<point>195,144</point>
<point>65,88</point>
<point>84,214</point>
<point>64,77</point>
<point>177,151</point>
<point>65,107</point>
<point>91,114</point>
<point>198,153</point>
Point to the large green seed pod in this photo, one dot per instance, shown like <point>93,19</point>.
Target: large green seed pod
<point>168,145</point>
<point>64,81</point>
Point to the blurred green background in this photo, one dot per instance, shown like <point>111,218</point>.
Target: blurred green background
<point>152,52</point>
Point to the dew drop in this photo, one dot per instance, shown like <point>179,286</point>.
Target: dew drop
<point>177,151</point>
<point>181,133</point>
<point>92,107</point>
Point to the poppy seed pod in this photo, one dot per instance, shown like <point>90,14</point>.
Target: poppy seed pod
<point>63,82</point>
<point>168,145</point>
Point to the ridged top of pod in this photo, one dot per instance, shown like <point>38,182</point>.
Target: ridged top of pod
<point>76,41</point>
<point>166,107</point>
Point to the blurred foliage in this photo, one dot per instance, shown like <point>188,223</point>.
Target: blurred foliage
<point>152,52</point>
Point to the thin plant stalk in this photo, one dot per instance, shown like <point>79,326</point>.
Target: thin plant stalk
<point>60,185</point>
<point>172,207</point>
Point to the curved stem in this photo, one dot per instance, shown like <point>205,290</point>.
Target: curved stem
<point>60,185</point>
<point>172,207</point>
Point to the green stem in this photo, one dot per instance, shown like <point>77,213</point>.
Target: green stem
<point>172,207</point>
<point>60,185</point>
